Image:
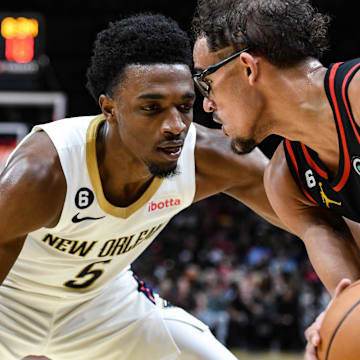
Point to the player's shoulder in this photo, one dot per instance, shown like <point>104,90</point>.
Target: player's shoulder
<point>279,183</point>
<point>277,174</point>
<point>71,131</point>
<point>277,167</point>
<point>32,184</point>
<point>35,163</point>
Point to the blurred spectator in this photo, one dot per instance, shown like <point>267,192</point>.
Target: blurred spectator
<point>249,281</point>
<point>212,306</point>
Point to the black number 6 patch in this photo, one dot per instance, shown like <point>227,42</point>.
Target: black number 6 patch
<point>84,198</point>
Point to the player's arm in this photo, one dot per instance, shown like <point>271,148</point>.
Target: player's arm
<point>330,245</point>
<point>218,169</point>
<point>32,193</point>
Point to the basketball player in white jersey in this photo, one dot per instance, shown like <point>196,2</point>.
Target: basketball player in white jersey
<point>82,198</point>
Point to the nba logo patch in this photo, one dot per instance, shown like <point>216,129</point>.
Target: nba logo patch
<point>356,164</point>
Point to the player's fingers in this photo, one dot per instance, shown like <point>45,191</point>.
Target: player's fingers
<point>319,320</point>
<point>312,333</point>
<point>312,336</point>
<point>343,284</point>
<point>310,352</point>
<point>308,332</point>
<point>315,339</point>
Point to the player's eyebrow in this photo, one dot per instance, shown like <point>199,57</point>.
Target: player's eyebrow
<point>189,95</point>
<point>152,96</point>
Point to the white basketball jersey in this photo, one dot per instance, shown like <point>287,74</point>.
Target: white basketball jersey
<point>95,240</point>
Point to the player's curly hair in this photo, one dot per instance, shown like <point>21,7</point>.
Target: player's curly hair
<point>283,31</point>
<point>142,39</point>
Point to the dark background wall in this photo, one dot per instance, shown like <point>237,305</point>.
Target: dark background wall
<point>71,27</point>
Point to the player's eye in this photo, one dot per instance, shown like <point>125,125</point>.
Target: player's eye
<point>185,108</point>
<point>150,107</point>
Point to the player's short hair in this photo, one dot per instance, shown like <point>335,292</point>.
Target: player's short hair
<point>283,31</point>
<point>143,39</point>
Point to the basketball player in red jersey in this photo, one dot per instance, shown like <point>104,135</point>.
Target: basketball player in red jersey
<point>256,63</point>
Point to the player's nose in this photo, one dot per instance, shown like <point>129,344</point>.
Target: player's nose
<point>174,123</point>
<point>209,105</point>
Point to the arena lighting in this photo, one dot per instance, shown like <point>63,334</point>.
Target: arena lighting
<point>21,42</point>
<point>19,34</point>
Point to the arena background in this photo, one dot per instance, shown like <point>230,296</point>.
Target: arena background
<point>250,282</point>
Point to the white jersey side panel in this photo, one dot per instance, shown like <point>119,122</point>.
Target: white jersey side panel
<point>94,240</point>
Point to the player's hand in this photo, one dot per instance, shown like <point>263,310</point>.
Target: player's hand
<point>312,333</point>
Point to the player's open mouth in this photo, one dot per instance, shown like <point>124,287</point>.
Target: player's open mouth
<point>172,152</point>
<point>172,149</point>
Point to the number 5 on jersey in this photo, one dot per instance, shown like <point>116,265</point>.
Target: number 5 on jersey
<point>83,275</point>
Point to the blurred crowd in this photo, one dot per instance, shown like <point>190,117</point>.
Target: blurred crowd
<point>249,281</point>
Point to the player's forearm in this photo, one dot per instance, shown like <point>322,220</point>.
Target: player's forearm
<point>333,254</point>
<point>270,215</point>
<point>255,198</point>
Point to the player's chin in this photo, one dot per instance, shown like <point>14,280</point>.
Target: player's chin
<point>162,170</point>
<point>243,146</point>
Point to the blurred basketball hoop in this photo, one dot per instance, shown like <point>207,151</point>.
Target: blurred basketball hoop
<point>10,135</point>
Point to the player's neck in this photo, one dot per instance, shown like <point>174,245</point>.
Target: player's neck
<point>304,114</point>
<point>123,177</point>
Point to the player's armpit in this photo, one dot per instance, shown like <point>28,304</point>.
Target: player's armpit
<point>328,240</point>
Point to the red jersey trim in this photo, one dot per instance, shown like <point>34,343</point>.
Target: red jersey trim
<point>312,163</point>
<point>346,102</point>
<point>346,171</point>
<point>293,159</point>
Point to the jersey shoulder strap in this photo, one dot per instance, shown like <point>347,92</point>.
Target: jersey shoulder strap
<point>336,82</point>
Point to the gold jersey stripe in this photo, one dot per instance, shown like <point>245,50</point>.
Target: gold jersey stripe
<point>93,170</point>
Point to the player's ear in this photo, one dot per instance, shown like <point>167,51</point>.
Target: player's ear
<point>249,65</point>
<point>107,106</point>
